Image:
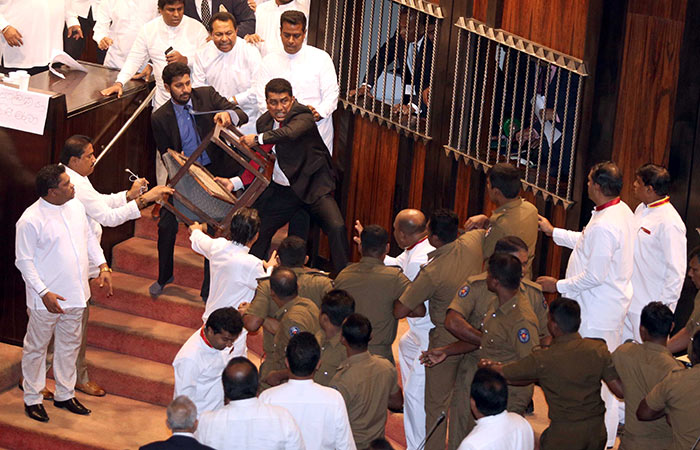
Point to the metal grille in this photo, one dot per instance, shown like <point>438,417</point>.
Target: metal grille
<point>516,101</point>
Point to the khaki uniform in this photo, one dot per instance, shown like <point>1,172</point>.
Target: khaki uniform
<point>375,287</point>
<point>693,324</point>
<point>641,367</point>
<point>569,372</point>
<point>300,314</point>
<point>333,353</point>
<point>366,381</point>
<point>678,395</point>
<point>518,218</point>
<point>312,285</point>
<point>438,281</point>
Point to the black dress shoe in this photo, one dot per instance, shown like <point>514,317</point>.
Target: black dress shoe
<point>36,412</point>
<point>72,405</point>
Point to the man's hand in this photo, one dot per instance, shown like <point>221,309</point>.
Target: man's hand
<point>478,222</point>
<point>158,193</point>
<point>12,36</point>
<point>223,119</point>
<point>253,38</point>
<point>198,226</point>
<point>105,43</point>
<point>105,278</point>
<point>359,228</point>
<point>75,32</point>
<point>272,262</point>
<point>544,225</point>
<point>243,308</point>
<point>248,139</point>
<point>116,88</point>
<point>487,363</point>
<point>145,74</point>
<point>252,5</point>
<point>317,116</point>
<point>51,302</point>
<point>225,182</point>
<point>276,377</point>
<point>549,284</point>
<point>175,56</point>
<point>433,357</point>
<point>135,189</point>
<point>403,110</point>
<point>362,90</point>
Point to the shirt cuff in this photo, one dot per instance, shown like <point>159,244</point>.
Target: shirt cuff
<point>260,138</point>
<point>559,286</point>
<point>3,23</point>
<point>237,183</point>
<point>556,235</point>
<point>234,117</point>
<point>72,21</point>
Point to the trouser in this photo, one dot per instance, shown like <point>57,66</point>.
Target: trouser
<point>413,380</point>
<point>80,362</point>
<point>631,328</point>
<point>584,435</point>
<point>66,330</point>
<point>278,204</point>
<point>439,385</point>
<point>461,419</point>
<point>29,70</point>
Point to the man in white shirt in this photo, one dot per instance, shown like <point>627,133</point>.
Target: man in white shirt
<point>204,10</point>
<point>599,272</point>
<point>54,248</point>
<point>228,65</point>
<point>32,30</point>
<point>234,272</point>
<point>496,428</point>
<point>319,411</point>
<point>309,70</point>
<point>245,421</point>
<point>201,360</point>
<point>117,24</point>
<point>182,421</point>
<point>267,23</point>
<point>659,247</point>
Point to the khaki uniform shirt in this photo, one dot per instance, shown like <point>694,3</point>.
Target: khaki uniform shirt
<point>679,396</point>
<point>518,218</point>
<point>693,324</point>
<point>569,372</point>
<point>312,285</point>
<point>333,353</point>
<point>375,287</point>
<point>366,381</point>
<point>442,277</point>
<point>641,367</point>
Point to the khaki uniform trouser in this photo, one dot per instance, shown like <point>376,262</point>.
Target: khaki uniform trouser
<point>584,435</point>
<point>439,386</point>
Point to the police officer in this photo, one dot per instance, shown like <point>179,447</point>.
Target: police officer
<point>335,307</point>
<point>683,338</point>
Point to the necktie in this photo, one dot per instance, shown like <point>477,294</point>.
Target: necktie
<point>206,13</point>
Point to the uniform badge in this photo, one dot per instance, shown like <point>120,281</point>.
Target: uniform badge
<point>464,291</point>
<point>293,331</point>
<point>523,336</point>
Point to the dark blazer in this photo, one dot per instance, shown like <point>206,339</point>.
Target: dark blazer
<point>176,443</point>
<point>245,17</point>
<point>167,134</point>
<point>301,153</point>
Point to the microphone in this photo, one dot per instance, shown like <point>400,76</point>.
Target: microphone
<point>438,421</point>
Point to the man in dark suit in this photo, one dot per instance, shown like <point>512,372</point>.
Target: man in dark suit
<point>203,10</point>
<point>176,126</point>
<point>303,177</point>
<point>182,421</point>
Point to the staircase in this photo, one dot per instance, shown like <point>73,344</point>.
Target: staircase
<point>132,340</point>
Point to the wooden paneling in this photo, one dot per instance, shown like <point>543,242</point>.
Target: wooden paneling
<point>480,10</point>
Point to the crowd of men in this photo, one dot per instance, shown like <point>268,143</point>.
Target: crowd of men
<point>481,331</point>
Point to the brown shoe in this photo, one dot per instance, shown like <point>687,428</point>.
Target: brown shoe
<point>48,395</point>
<point>90,388</point>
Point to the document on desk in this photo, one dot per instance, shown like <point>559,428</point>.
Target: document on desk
<point>23,110</point>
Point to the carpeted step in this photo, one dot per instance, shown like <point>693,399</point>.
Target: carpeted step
<point>178,305</point>
<point>10,366</point>
<point>138,256</point>
<point>115,423</point>
<point>147,228</point>
<point>394,430</point>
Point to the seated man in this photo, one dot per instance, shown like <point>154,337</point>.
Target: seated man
<point>201,360</point>
<point>319,411</point>
<point>367,382</point>
<point>245,421</point>
<point>495,427</point>
<point>182,421</point>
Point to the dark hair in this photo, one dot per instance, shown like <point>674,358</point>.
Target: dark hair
<point>303,354</point>
<point>655,176</point>
<point>608,176</point>
<point>489,391</point>
<point>283,282</point>
<point>566,313</point>
<point>337,304</point>
<point>245,224</point>
<point>222,16</point>
<point>657,318</point>
<point>507,269</point>
<point>380,444</point>
<point>225,319</point>
<point>278,86</point>
<point>505,178</point>
<point>357,331</point>
<point>510,244</point>
<point>47,178</point>
<point>444,223</point>
<point>696,346</point>
<point>374,239</point>
<point>243,383</point>
<point>694,253</point>
<point>292,251</point>
<point>74,147</point>
<point>174,70</point>
<point>162,3</point>
<point>293,18</point>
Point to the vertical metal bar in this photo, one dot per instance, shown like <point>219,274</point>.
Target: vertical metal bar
<point>422,70</point>
<point>554,128</point>
<point>573,140</point>
<point>464,89</point>
<point>532,118</point>
<point>359,48</point>
<point>386,58</point>
<point>450,141</point>
<point>543,114</point>
<point>403,71</point>
<point>503,101</point>
<point>413,71</point>
<point>342,47</point>
<point>432,77</point>
<point>352,47</point>
<point>483,94</point>
<point>325,31</point>
<point>563,128</point>
<point>471,109</point>
<point>512,107</point>
<point>395,69</point>
<point>379,42</point>
<point>369,49</point>
<point>335,26</point>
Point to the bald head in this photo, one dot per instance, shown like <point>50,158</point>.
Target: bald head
<point>240,379</point>
<point>283,283</point>
<point>409,227</point>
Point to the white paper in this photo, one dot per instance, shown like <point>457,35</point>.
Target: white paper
<point>23,110</point>
<point>59,56</point>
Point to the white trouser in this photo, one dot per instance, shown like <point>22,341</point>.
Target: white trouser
<point>631,329</point>
<point>613,339</point>
<point>67,329</point>
<point>411,344</point>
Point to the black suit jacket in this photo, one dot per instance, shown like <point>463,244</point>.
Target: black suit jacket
<point>176,443</point>
<point>301,153</point>
<point>245,17</point>
<point>167,134</point>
